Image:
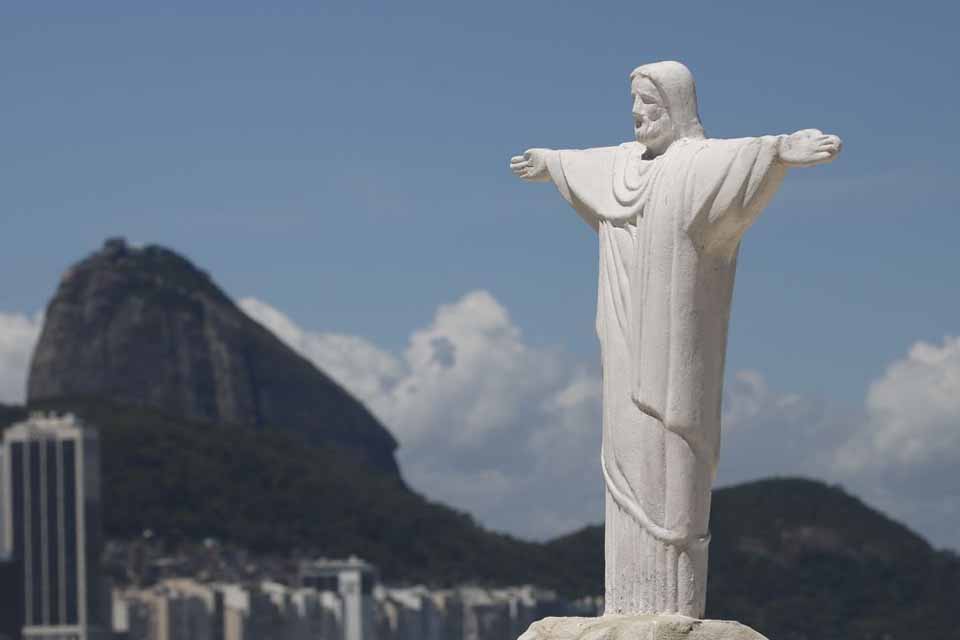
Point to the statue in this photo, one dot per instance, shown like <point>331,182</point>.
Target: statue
<point>670,210</point>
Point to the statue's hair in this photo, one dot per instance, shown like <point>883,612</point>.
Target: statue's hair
<point>676,86</point>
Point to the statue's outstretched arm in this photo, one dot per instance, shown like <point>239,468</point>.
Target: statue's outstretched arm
<point>808,147</point>
<point>532,165</point>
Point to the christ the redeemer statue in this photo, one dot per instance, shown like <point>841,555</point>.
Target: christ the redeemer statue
<point>670,210</point>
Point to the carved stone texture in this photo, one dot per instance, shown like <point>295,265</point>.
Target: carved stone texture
<point>639,627</point>
<point>670,209</point>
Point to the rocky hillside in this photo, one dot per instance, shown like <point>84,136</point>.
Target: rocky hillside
<point>146,327</point>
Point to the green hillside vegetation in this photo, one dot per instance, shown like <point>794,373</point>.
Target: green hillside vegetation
<point>803,560</point>
<point>270,492</point>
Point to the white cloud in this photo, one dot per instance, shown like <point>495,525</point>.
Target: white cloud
<point>367,371</point>
<point>903,454</point>
<point>511,433</point>
<point>768,432</point>
<point>748,399</point>
<point>18,335</point>
<point>899,451</point>
<point>485,421</point>
<point>913,413</point>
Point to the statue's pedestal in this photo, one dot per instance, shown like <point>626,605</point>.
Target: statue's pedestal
<point>639,627</point>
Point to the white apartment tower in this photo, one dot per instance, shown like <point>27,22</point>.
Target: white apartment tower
<point>51,504</point>
<point>353,579</point>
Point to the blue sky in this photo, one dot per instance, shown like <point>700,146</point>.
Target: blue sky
<point>346,164</point>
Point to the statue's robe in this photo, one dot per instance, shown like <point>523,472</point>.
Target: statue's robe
<point>670,231</point>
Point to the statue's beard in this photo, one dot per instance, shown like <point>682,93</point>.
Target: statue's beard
<point>655,134</point>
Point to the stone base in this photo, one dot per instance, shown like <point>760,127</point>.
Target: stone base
<point>639,627</point>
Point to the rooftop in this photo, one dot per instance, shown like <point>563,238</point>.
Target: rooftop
<point>41,425</point>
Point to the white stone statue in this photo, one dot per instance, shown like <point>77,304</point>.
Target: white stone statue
<point>670,210</point>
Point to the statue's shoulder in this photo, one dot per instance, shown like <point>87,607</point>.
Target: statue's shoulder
<point>630,150</point>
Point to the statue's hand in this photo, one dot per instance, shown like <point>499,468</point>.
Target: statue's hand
<point>809,147</point>
<point>531,166</point>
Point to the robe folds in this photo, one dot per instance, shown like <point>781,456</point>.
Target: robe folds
<point>669,231</point>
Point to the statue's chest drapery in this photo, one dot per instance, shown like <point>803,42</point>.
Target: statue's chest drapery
<point>634,177</point>
<point>669,298</point>
<point>664,294</point>
<point>622,229</point>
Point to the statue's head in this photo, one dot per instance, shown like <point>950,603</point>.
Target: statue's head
<point>664,105</point>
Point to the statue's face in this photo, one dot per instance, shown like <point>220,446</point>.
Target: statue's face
<point>651,120</point>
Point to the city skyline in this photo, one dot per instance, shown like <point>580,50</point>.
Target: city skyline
<point>205,590</point>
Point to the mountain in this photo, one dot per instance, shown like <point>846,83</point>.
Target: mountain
<point>10,414</point>
<point>146,327</point>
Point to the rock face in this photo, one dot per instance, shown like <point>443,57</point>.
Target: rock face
<point>145,326</point>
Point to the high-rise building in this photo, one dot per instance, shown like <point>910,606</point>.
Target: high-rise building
<point>51,498</point>
<point>354,580</point>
